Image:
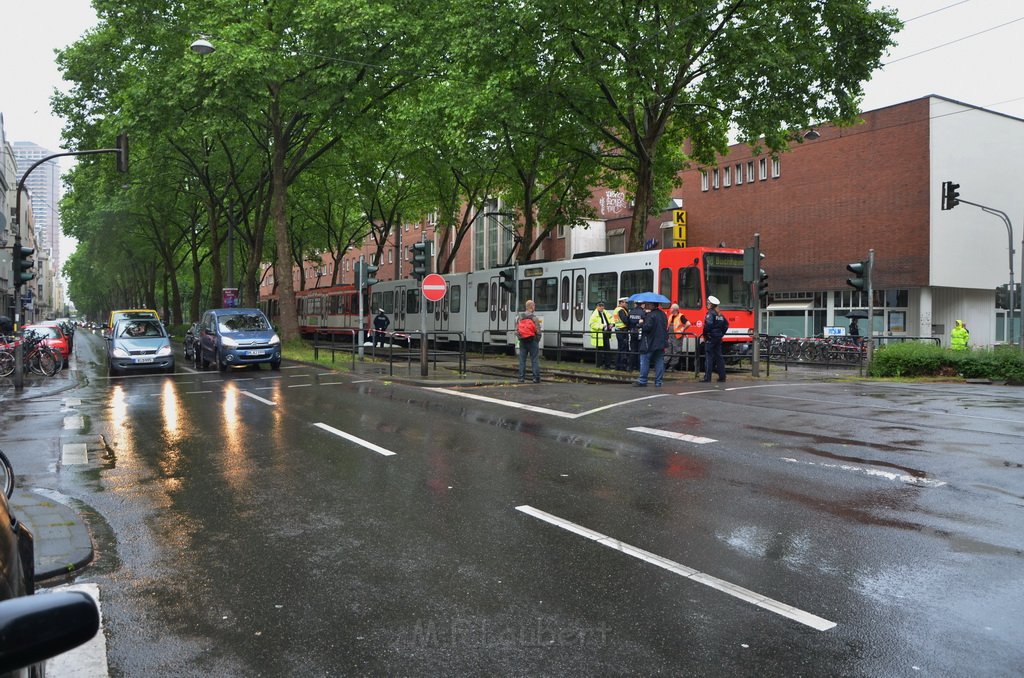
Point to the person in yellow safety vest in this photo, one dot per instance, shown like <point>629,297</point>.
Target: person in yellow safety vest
<point>620,318</point>
<point>601,325</point>
<point>959,337</point>
<point>677,324</point>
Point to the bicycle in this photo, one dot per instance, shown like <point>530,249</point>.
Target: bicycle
<point>39,357</point>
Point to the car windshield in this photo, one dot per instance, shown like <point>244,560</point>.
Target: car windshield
<point>44,331</point>
<point>141,328</point>
<point>243,322</point>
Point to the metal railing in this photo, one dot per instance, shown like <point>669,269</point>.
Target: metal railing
<point>397,347</point>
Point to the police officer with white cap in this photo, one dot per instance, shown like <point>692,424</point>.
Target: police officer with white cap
<point>715,327</point>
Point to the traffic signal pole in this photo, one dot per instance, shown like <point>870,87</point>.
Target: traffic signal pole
<point>122,166</point>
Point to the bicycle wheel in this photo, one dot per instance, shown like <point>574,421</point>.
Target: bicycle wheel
<point>43,363</point>
<point>6,363</point>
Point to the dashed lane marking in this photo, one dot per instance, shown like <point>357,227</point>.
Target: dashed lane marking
<point>788,611</point>
<point>256,397</point>
<point>673,434</point>
<point>358,441</point>
<point>888,475</point>
<point>74,453</point>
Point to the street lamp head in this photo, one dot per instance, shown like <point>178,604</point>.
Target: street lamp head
<point>202,46</point>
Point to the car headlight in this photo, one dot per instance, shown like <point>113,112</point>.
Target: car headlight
<point>275,340</point>
<point>228,342</point>
<point>164,350</point>
<point>119,352</point>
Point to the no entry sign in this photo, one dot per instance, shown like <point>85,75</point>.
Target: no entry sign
<point>434,287</point>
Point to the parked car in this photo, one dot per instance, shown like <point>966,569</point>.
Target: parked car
<point>191,337</point>
<point>54,337</point>
<point>230,337</point>
<point>130,314</point>
<point>139,345</point>
<point>33,627</point>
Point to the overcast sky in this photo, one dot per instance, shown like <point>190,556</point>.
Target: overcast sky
<point>961,49</point>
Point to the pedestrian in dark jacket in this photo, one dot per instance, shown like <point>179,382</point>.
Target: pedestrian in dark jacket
<point>715,327</point>
<point>653,340</point>
<point>381,322</point>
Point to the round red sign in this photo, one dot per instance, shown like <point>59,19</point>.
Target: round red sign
<point>434,287</point>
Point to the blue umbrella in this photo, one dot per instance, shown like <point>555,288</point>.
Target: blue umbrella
<point>651,297</point>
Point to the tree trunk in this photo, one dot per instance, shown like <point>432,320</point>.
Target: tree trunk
<point>642,206</point>
<point>288,321</point>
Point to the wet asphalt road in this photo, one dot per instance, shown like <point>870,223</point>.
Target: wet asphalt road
<point>311,523</point>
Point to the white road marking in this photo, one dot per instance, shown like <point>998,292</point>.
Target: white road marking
<point>747,595</point>
<point>358,441</point>
<point>888,475</point>
<point>88,660</point>
<point>73,453</point>
<point>299,385</point>
<point>541,410</point>
<point>331,383</point>
<point>73,422</point>
<point>673,434</point>
<point>194,392</point>
<point>256,397</point>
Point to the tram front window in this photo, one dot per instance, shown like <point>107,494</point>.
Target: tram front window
<point>724,275</point>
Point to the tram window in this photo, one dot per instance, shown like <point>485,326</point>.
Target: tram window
<point>545,294</point>
<point>387,301</point>
<point>412,301</point>
<point>600,287</point>
<point>334,304</point>
<point>455,298</point>
<point>635,282</point>
<point>665,282</point>
<point>481,298</point>
<point>525,292</point>
<point>689,288</point>
<point>376,301</point>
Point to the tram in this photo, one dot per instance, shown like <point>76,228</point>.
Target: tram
<point>477,309</point>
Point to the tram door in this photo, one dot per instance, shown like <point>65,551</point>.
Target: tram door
<point>572,300</point>
<point>399,321</point>
<point>500,318</point>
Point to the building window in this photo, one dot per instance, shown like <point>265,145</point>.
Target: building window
<point>750,171</point>
<point>776,170</point>
<point>739,173</point>
<point>727,176</point>
<point>763,167</point>
<point>391,258</point>
<point>714,179</point>
<point>616,240</point>
<point>704,180</point>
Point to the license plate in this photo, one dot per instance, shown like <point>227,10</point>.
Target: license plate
<point>143,360</point>
<point>254,353</point>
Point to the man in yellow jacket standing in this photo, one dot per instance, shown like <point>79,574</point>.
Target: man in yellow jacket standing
<point>601,326</point>
<point>959,337</point>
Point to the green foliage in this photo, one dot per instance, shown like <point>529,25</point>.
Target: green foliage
<point>1003,363</point>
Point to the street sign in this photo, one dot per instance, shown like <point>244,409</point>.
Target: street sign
<point>434,287</point>
<point>679,217</point>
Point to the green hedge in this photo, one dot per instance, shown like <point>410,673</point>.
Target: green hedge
<point>1003,363</point>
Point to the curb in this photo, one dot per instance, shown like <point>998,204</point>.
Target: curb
<point>62,542</point>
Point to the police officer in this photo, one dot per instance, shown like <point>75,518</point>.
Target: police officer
<point>715,327</point>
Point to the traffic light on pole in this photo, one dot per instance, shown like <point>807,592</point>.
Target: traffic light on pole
<point>862,275</point>
<point>357,274</point>
<point>21,264</point>
<point>950,195</point>
<point>122,152</point>
<point>368,275</point>
<point>1003,296</point>
<point>420,259</point>
<point>508,280</point>
<point>762,285</point>
<point>750,264</point>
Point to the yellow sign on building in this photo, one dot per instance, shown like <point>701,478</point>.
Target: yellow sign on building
<point>679,230</point>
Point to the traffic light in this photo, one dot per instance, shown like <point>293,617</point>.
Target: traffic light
<point>122,152</point>
<point>357,274</point>
<point>508,280</point>
<point>368,275</point>
<point>862,272</point>
<point>762,285</point>
<point>1003,296</point>
<point>21,264</point>
<point>950,195</point>
<point>750,261</point>
<point>420,259</point>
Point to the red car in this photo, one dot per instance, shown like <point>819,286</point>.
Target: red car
<point>54,337</point>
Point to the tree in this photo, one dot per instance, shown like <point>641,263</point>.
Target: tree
<point>650,75</point>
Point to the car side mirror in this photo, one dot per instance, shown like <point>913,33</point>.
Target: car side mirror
<point>42,625</point>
